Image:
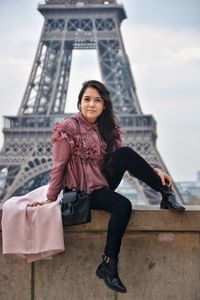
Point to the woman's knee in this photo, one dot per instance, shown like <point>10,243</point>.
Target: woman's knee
<point>123,205</point>
<point>128,205</point>
<point>125,153</point>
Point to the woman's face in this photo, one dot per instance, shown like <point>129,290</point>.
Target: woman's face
<point>91,104</point>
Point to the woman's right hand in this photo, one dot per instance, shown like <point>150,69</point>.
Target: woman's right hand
<point>39,203</point>
<point>165,178</point>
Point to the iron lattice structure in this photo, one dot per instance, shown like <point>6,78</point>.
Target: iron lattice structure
<point>25,160</point>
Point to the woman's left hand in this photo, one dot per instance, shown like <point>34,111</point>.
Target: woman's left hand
<point>165,178</point>
<point>37,203</point>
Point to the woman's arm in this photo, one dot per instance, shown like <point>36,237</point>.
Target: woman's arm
<point>61,152</point>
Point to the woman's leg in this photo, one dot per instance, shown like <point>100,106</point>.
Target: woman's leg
<point>120,209</point>
<point>126,159</point>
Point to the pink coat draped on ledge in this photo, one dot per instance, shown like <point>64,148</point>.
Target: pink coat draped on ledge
<point>32,232</point>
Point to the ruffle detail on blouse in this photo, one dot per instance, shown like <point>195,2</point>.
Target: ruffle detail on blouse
<point>65,129</point>
<point>94,152</point>
<point>91,151</point>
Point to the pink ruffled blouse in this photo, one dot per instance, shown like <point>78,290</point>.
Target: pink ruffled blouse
<point>67,157</point>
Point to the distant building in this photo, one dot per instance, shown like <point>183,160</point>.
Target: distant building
<point>198,176</point>
<point>190,190</point>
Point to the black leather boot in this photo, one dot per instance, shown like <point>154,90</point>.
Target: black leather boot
<point>169,200</point>
<point>107,271</point>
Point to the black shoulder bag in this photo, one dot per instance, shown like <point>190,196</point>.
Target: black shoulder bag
<point>76,205</point>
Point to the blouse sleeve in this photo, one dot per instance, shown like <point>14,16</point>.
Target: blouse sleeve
<point>62,144</point>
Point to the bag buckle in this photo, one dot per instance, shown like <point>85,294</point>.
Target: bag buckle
<point>71,208</point>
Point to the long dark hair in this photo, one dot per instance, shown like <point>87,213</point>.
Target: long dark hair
<point>107,122</point>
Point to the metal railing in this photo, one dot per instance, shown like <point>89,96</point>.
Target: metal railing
<point>17,123</point>
<point>81,2</point>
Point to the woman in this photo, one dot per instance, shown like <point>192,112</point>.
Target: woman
<point>106,162</point>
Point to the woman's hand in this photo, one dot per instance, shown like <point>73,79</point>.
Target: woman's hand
<point>36,203</point>
<point>165,178</point>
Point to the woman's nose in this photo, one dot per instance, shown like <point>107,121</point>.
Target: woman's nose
<point>91,103</point>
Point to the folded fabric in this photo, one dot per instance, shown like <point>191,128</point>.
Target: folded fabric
<point>33,233</point>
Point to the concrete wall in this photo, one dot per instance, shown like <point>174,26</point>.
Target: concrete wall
<point>159,260</point>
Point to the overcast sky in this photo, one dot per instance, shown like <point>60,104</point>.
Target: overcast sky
<point>162,40</point>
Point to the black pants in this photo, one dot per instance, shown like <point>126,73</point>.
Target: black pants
<point>124,159</point>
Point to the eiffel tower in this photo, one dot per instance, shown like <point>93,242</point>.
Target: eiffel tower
<point>26,158</point>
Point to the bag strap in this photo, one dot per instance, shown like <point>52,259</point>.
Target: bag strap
<point>83,154</point>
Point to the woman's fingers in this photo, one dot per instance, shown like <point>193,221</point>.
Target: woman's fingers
<point>37,203</point>
<point>162,177</point>
<point>169,180</point>
<point>165,178</point>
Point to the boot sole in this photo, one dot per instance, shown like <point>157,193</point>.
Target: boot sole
<point>173,209</point>
<point>100,276</point>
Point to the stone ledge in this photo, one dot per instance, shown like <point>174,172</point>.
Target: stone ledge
<point>147,218</point>
<point>159,260</point>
